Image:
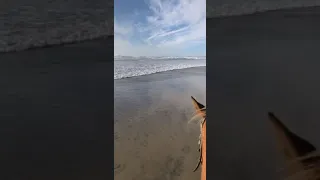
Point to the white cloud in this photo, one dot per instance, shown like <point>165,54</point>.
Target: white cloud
<point>189,15</point>
<point>125,47</point>
<point>123,29</point>
<point>170,27</point>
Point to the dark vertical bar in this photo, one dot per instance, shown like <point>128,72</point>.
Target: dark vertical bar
<point>56,112</point>
<point>258,63</point>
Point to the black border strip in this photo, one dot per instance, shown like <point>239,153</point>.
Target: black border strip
<point>258,63</point>
<point>56,112</point>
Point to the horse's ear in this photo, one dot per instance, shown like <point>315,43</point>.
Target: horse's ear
<point>291,145</point>
<point>198,106</point>
<point>283,138</point>
<point>291,142</point>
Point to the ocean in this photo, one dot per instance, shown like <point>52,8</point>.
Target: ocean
<point>125,67</point>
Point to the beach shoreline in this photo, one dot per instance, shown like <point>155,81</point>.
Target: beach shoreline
<point>162,73</point>
<point>153,139</point>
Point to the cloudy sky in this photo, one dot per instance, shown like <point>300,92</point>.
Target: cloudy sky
<point>160,27</point>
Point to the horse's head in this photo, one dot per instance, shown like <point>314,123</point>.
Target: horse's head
<point>297,151</point>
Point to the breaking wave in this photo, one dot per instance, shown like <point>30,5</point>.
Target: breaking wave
<point>129,68</point>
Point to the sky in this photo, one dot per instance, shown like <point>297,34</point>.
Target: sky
<point>160,27</point>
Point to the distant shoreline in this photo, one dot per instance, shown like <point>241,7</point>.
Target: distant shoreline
<point>98,39</point>
<point>286,9</point>
<point>159,72</point>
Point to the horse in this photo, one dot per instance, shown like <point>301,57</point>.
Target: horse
<point>201,112</point>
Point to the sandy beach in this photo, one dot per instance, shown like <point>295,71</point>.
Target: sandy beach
<point>259,63</point>
<point>153,139</point>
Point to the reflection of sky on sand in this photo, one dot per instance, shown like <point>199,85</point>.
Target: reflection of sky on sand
<point>172,87</point>
<point>152,137</point>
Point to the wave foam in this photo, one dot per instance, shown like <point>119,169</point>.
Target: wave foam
<point>119,57</point>
<point>131,68</point>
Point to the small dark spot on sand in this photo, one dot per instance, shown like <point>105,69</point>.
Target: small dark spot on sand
<point>137,137</point>
<point>146,134</point>
<point>119,168</point>
<point>172,137</point>
<point>142,167</point>
<point>173,167</point>
<point>116,136</point>
<point>186,149</point>
<point>144,143</point>
<point>137,154</point>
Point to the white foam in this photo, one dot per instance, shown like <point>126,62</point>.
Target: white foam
<point>119,57</point>
<point>137,67</point>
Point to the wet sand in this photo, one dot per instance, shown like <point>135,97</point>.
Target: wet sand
<point>259,63</point>
<point>152,137</point>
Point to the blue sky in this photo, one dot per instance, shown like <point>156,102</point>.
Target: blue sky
<point>160,27</point>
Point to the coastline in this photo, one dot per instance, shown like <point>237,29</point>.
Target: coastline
<point>151,125</point>
<point>189,69</point>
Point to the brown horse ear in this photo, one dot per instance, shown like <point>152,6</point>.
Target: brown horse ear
<point>291,145</point>
<point>198,106</point>
<point>300,146</point>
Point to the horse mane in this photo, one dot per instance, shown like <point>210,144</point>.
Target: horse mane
<point>310,169</point>
<point>200,116</point>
